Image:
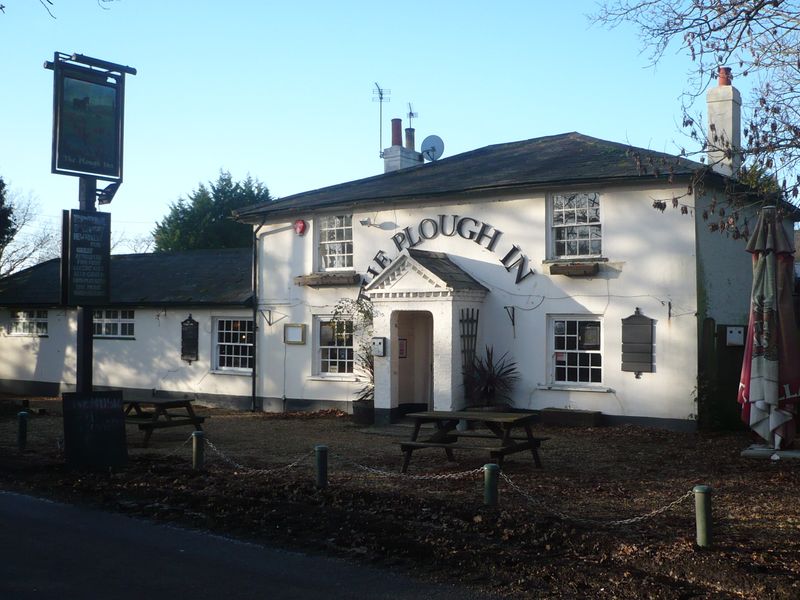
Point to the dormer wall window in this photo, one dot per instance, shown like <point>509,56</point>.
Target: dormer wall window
<point>575,225</point>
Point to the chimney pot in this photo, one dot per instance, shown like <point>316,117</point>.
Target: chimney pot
<point>410,138</point>
<point>397,135</point>
<point>725,77</point>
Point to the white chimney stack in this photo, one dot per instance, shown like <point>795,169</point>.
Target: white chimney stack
<point>397,156</point>
<point>724,125</point>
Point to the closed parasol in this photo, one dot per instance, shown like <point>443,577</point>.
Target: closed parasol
<point>769,388</point>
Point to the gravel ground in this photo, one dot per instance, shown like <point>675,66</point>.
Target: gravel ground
<point>553,534</point>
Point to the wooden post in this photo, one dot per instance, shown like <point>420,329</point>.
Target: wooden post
<point>198,450</point>
<point>85,342</point>
<point>702,510</point>
<point>22,430</point>
<point>321,453</point>
<point>491,473</point>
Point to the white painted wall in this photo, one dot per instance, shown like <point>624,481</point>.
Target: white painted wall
<point>651,265</point>
<point>151,361</point>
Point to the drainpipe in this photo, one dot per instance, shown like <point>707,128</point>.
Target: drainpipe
<point>254,300</point>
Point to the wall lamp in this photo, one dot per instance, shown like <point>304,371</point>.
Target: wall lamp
<point>368,223</point>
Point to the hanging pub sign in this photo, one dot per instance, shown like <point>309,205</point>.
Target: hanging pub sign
<point>88,107</point>
<point>85,275</point>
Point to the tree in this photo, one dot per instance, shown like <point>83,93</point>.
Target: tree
<point>759,39</point>
<point>204,219</point>
<point>22,245</point>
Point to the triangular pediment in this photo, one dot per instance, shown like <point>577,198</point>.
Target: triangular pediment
<point>416,273</point>
<point>406,275</point>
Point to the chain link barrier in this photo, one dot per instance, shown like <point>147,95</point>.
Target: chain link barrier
<point>227,459</point>
<point>561,515</point>
<point>459,475</point>
<point>397,475</point>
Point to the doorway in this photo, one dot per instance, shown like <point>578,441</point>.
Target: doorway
<point>412,360</point>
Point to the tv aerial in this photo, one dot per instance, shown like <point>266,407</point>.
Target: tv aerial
<point>411,114</point>
<point>432,148</point>
<point>380,95</point>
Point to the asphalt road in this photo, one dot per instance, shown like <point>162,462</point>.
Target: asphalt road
<point>54,551</point>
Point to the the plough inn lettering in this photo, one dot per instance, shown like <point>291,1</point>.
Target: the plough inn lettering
<point>467,228</point>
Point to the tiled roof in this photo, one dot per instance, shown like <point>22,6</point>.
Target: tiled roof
<point>191,278</point>
<point>566,159</point>
<point>445,269</point>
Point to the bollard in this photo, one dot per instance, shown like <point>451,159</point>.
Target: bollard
<point>198,450</point>
<point>702,510</point>
<point>22,430</point>
<point>321,453</point>
<point>491,473</point>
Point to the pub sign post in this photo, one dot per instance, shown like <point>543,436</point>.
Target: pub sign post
<point>88,118</point>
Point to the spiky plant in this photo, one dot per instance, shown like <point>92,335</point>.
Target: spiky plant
<point>488,381</point>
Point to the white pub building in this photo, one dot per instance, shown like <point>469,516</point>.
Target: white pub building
<point>547,250</point>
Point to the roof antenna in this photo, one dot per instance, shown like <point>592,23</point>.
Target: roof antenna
<point>380,95</point>
<point>411,115</point>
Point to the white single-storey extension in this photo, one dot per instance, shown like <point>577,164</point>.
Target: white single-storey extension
<point>178,324</point>
<point>549,251</point>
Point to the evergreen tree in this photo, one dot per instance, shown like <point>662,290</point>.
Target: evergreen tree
<point>203,220</point>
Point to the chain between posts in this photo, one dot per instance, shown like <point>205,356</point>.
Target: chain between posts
<point>447,476</point>
<point>241,467</point>
<point>566,517</point>
<point>383,473</point>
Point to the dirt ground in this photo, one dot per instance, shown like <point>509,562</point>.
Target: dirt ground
<point>553,534</point>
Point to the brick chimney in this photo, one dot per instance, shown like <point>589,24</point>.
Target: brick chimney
<point>724,125</point>
<point>398,156</point>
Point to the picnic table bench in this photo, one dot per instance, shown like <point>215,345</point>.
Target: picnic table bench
<point>510,431</point>
<point>158,413</point>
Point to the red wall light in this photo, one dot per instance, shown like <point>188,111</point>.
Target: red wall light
<point>300,227</point>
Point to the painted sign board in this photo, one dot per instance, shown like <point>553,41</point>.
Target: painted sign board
<point>94,430</point>
<point>88,122</point>
<point>88,258</point>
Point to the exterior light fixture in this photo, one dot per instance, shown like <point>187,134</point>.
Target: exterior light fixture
<point>105,196</point>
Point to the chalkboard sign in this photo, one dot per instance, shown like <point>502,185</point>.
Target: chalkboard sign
<point>89,258</point>
<point>94,430</point>
<point>190,333</point>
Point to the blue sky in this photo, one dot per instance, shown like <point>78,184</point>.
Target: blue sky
<point>284,91</point>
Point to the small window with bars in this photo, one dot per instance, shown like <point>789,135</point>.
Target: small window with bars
<point>336,242</point>
<point>31,322</point>
<point>577,354</point>
<point>234,345</point>
<point>113,323</point>
<point>336,347</point>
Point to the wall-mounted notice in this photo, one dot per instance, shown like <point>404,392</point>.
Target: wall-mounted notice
<point>89,258</point>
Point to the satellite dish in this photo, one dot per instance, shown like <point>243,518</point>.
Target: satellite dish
<point>432,147</point>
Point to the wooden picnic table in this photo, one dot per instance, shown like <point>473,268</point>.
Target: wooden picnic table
<point>158,413</point>
<point>510,432</point>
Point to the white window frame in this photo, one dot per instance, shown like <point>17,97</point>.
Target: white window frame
<point>114,323</point>
<point>573,212</point>
<point>335,242</point>
<point>28,322</point>
<point>568,367</point>
<point>324,359</point>
<point>230,344</point>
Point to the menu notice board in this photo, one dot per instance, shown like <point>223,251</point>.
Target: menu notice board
<point>89,258</point>
<point>94,430</point>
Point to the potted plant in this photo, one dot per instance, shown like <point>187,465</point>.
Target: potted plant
<point>488,382</point>
<point>362,313</point>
